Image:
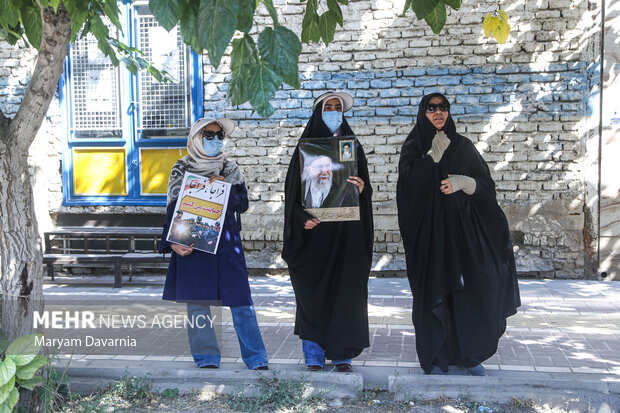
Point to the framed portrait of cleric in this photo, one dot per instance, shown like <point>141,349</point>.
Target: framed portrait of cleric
<point>199,213</point>
<point>325,164</point>
<point>346,150</point>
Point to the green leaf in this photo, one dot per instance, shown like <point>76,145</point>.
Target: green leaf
<point>327,27</point>
<point>336,12</point>
<point>310,28</point>
<point>7,370</point>
<point>99,29</point>
<point>107,50</point>
<point>5,390</point>
<point>167,12</point>
<point>280,47</point>
<point>455,4</point>
<point>33,26</point>
<point>408,5</point>
<point>28,371</point>
<point>12,34</point>
<point>245,18</point>
<point>112,12</point>
<point>24,349</point>
<point>10,402</point>
<point>437,18</point>
<point>188,27</point>
<point>217,21</point>
<point>77,14</point>
<point>9,15</point>
<point>244,52</point>
<point>422,8</point>
<point>4,344</point>
<point>55,4</point>
<point>271,10</point>
<point>264,83</point>
<point>244,55</point>
<point>31,383</point>
<point>345,2</point>
<point>170,393</point>
<point>238,88</point>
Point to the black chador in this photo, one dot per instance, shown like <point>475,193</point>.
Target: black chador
<point>459,254</point>
<point>329,265</point>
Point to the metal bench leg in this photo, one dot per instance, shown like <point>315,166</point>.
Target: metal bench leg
<point>118,281</point>
<point>130,271</point>
<point>50,271</point>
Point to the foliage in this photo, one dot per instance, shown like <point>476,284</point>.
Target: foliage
<point>54,391</point>
<point>275,394</point>
<point>497,27</point>
<point>259,64</point>
<point>19,363</point>
<point>262,58</point>
<point>128,393</point>
<point>434,12</point>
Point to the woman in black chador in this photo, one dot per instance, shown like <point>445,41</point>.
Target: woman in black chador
<point>329,262</point>
<point>460,262</point>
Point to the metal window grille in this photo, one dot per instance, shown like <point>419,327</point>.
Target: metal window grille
<point>94,89</point>
<point>162,106</point>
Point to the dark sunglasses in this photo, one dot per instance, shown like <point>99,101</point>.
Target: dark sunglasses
<point>432,107</point>
<point>209,134</point>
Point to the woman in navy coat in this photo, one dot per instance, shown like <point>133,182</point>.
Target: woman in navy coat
<point>201,279</point>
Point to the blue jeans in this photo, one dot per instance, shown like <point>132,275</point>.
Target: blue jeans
<point>315,355</point>
<point>203,341</point>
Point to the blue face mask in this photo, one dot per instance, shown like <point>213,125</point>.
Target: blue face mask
<point>212,147</point>
<point>333,120</point>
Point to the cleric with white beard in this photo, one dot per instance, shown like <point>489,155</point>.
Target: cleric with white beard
<point>318,181</point>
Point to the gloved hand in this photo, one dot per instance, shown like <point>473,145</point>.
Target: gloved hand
<point>438,146</point>
<point>463,183</point>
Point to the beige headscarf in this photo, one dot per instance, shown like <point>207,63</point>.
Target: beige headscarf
<point>198,162</point>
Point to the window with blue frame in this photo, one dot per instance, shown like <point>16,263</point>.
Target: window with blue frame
<point>124,132</point>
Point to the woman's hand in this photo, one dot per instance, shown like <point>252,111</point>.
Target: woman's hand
<point>311,223</point>
<point>357,181</point>
<point>182,250</point>
<point>216,178</point>
<point>446,186</point>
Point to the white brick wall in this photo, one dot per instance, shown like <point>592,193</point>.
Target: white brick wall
<point>522,103</point>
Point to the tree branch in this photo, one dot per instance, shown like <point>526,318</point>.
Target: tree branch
<point>48,68</point>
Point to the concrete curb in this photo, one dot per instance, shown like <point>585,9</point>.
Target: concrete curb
<point>497,389</point>
<point>89,380</point>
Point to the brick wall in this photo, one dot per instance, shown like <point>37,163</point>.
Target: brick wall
<point>525,105</point>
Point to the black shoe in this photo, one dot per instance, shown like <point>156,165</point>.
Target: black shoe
<point>262,368</point>
<point>209,366</point>
<point>312,367</point>
<point>344,368</point>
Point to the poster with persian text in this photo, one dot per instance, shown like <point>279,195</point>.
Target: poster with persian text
<point>199,214</point>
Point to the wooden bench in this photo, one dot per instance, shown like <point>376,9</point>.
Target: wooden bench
<point>102,245</point>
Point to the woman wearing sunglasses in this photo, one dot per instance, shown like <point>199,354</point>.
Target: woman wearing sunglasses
<point>198,278</point>
<point>459,254</point>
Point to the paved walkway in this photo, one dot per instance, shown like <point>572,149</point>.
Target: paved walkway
<point>563,327</point>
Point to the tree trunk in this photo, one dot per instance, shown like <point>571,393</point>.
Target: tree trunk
<point>21,260</point>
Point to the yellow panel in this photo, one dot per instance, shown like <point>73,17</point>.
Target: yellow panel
<point>155,168</point>
<point>99,171</point>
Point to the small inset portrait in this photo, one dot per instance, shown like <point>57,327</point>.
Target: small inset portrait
<point>347,152</point>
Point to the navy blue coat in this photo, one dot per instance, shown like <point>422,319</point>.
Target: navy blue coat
<point>213,277</point>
